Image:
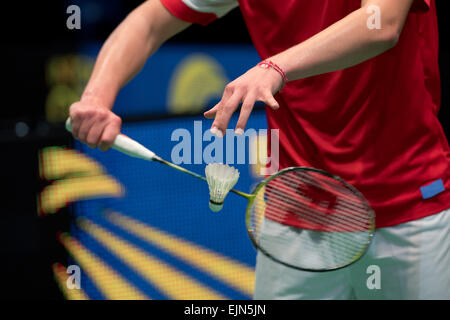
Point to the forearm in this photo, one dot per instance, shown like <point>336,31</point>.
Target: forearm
<point>122,56</point>
<point>344,44</point>
<point>126,50</point>
<point>120,59</point>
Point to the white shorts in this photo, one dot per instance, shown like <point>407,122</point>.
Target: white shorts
<point>409,261</point>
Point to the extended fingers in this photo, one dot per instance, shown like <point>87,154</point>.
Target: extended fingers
<point>246,110</point>
<point>223,114</point>
<point>248,89</point>
<point>227,94</point>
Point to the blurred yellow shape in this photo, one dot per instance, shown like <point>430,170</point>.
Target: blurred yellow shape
<point>110,283</point>
<point>172,283</point>
<point>231,272</point>
<point>58,162</point>
<point>258,152</point>
<point>66,77</point>
<point>62,192</point>
<point>80,177</point>
<point>197,79</point>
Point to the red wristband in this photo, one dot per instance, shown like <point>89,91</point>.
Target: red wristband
<point>269,64</point>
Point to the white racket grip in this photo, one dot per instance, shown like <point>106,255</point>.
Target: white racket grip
<point>126,145</point>
<point>132,148</point>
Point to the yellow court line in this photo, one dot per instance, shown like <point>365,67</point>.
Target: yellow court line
<point>61,277</point>
<point>174,284</point>
<point>109,282</point>
<point>231,272</point>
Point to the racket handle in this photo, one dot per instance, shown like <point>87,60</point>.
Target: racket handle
<point>126,145</point>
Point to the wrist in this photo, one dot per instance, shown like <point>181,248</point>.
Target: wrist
<point>268,63</point>
<point>96,99</point>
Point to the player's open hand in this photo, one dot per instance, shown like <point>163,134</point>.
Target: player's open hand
<point>257,84</point>
<point>94,125</point>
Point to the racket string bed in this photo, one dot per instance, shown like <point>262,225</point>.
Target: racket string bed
<point>338,242</point>
<point>323,223</point>
<point>351,204</point>
<point>316,216</point>
<point>328,220</point>
<point>345,236</point>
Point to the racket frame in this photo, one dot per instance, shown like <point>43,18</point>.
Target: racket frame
<point>263,183</point>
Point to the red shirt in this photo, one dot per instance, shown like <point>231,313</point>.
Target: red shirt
<point>375,124</point>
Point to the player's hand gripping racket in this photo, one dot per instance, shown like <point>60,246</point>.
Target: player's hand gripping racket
<point>301,217</point>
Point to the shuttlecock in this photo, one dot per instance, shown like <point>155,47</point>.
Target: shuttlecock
<point>221,179</point>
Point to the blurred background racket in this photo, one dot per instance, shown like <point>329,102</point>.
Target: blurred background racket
<point>301,217</point>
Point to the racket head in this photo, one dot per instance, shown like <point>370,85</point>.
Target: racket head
<point>308,219</point>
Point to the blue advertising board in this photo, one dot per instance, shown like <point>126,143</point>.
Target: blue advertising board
<point>163,218</point>
<point>181,78</point>
<point>143,230</point>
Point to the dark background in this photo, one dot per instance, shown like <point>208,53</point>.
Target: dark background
<point>31,32</point>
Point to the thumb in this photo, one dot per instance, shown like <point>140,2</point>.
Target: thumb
<point>271,102</point>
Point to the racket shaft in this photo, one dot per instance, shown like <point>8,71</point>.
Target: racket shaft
<point>132,148</point>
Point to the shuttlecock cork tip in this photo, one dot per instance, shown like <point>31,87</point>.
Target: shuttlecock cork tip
<point>214,206</point>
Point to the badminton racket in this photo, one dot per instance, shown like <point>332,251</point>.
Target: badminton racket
<point>303,218</point>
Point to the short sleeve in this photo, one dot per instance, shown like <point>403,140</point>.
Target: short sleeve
<point>421,5</point>
<point>199,11</point>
